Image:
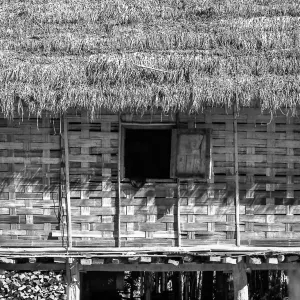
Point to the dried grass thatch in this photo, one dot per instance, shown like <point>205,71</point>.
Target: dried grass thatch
<point>134,54</point>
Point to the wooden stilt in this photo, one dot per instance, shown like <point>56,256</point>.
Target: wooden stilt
<point>142,291</point>
<point>240,282</point>
<point>219,286</point>
<point>199,284</point>
<point>157,286</point>
<point>263,278</point>
<point>163,282</point>
<point>73,279</point>
<point>193,285</point>
<point>225,286</point>
<point>186,286</point>
<point>294,284</point>
<point>148,285</point>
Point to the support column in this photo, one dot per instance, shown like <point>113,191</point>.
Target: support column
<point>73,279</point>
<point>148,285</point>
<point>294,284</point>
<point>240,282</point>
<point>219,286</point>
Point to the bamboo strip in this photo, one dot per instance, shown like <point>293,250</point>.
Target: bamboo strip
<point>178,215</point>
<point>67,169</point>
<point>236,171</point>
<point>119,183</point>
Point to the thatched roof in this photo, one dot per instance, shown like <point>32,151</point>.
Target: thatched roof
<point>136,54</point>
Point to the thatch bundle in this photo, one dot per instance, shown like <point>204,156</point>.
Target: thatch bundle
<point>135,54</point>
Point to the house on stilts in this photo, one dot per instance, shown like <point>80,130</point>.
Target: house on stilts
<point>158,139</point>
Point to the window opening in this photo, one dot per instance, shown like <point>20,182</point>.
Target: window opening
<point>147,154</point>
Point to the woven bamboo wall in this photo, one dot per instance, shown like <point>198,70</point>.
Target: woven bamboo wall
<point>30,166</point>
<point>269,184</point>
<point>93,148</point>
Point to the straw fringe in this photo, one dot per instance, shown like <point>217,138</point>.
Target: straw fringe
<point>139,55</point>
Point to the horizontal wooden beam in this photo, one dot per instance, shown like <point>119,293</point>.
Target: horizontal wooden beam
<point>156,267</point>
<point>204,249</point>
<point>159,267</point>
<point>32,267</point>
<point>188,267</point>
<point>281,266</point>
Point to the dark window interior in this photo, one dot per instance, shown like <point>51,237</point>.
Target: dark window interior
<point>147,153</point>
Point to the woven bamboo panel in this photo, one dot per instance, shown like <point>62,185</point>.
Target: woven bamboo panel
<point>268,178</point>
<point>93,173</point>
<point>30,177</point>
<point>148,215</point>
<point>30,171</point>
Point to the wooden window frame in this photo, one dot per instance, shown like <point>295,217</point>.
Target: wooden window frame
<point>174,150</point>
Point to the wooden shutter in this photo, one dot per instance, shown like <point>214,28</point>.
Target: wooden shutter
<point>191,153</point>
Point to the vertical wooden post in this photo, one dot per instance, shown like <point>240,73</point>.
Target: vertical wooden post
<point>219,286</point>
<point>180,286</point>
<point>186,287</point>
<point>178,214</point>
<point>236,172</point>
<point>73,279</point>
<point>157,285</point>
<point>199,285</point>
<point>67,174</point>
<point>294,284</point>
<point>148,285</point>
<point>240,282</point>
<point>119,183</point>
<point>142,289</point>
<point>163,282</point>
<point>178,196</point>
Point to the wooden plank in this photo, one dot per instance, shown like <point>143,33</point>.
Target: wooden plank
<point>32,267</point>
<point>157,267</point>
<point>187,267</point>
